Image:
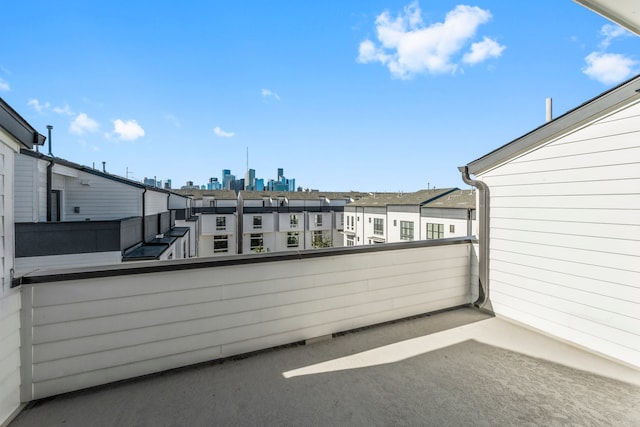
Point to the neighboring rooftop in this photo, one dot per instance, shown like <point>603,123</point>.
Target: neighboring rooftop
<point>420,197</point>
<point>459,199</point>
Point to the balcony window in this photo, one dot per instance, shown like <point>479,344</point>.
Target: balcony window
<point>435,231</point>
<point>406,230</point>
<point>256,242</point>
<point>220,244</point>
<point>378,226</point>
<point>257,222</point>
<point>221,223</point>
<point>293,239</point>
<point>293,220</point>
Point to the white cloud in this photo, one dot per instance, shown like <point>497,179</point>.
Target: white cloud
<point>37,105</point>
<point>4,86</point>
<point>408,47</point>
<point>483,50</point>
<point>609,68</point>
<point>66,110</point>
<point>221,133</point>
<point>266,93</point>
<point>83,124</point>
<point>610,32</point>
<point>128,130</point>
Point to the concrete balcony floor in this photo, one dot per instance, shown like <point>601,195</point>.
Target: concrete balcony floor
<point>455,368</point>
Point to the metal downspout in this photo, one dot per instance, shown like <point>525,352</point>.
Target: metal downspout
<point>483,235</point>
<point>144,228</point>
<point>49,189</point>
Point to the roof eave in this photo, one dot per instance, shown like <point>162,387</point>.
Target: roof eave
<point>607,101</point>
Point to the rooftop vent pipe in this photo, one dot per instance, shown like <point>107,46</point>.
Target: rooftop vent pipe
<point>549,109</point>
<point>104,167</point>
<point>49,127</point>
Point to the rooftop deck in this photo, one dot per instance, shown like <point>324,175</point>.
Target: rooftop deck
<point>458,367</point>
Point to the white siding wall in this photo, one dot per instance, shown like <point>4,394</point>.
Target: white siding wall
<point>10,300</point>
<point>460,227</point>
<point>394,230</point>
<point>26,194</point>
<point>98,198</point>
<point>565,236</point>
<point>208,224</point>
<point>127,326</point>
<point>155,202</point>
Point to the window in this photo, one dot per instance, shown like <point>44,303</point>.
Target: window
<point>318,220</point>
<point>257,222</point>
<point>342,220</point>
<point>256,242</point>
<point>406,230</point>
<point>212,203</point>
<point>293,239</point>
<point>220,244</point>
<point>369,220</point>
<point>435,231</point>
<point>395,222</point>
<point>452,228</point>
<point>293,220</point>
<point>350,241</point>
<point>221,223</point>
<point>378,226</point>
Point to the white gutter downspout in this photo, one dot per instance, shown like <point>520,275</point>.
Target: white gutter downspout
<point>483,236</point>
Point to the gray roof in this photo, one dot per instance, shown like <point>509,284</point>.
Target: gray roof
<point>418,198</point>
<point>459,199</point>
<point>199,194</point>
<point>302,195</point>
<point>607,101</point>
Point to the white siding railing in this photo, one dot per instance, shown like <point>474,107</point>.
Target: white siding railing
<point>95,330</point>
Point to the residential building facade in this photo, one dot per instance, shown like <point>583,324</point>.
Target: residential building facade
<point>404,217</point>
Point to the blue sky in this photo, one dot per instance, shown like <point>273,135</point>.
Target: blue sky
<point>344,95</point>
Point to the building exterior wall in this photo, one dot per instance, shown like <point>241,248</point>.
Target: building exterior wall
<point>394,226</point>
<point>565,235</point>
<point>155,202</point>
<point>164,320</point>
<point>10,299</point>
<point>209,229</point>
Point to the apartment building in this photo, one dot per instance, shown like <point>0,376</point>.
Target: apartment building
<point>290,221</point>
<point>214,216</point>
<point>398,217</point>
<point>69,215</point>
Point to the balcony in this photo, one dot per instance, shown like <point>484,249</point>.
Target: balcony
<point>236,327</point>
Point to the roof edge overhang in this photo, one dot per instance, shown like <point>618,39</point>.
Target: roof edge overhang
<point>602,104</point>
<point>620,12</point>
<point>18,127</point>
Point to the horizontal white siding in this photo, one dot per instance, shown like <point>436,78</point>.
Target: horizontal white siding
<point>26,265</point>
<point>565,236</point>
<point>10,299</point>
<point>96,331</point>
<point>155,202</point>
<point>9,353</point>
<point>99,198</point>
<point>26,178</point>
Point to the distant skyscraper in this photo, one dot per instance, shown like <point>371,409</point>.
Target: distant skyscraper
<point>249,180</point>
<point>280,175</point>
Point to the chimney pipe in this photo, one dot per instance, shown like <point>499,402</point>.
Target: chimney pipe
<point>104,167</point>
<point>549,109</point>
<point>49,127</point>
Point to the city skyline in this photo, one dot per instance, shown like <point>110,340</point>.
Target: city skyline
<point>394,96</point>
